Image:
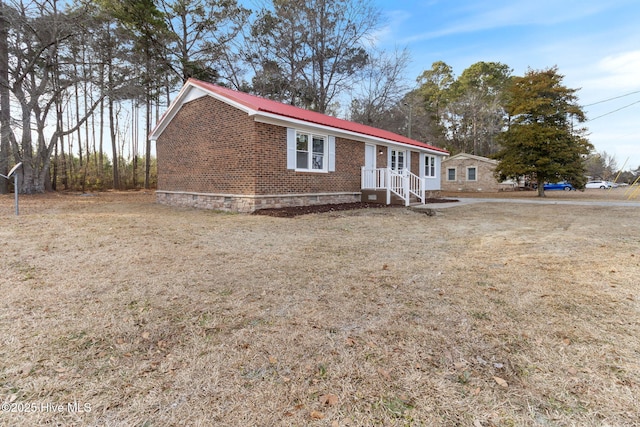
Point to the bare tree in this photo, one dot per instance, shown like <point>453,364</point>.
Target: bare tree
<point>38,31</point>
<point>307,52</point>
<point>601,165</point>
<point>5,102</point>
<point>199,32</point>
<point>380,89</point>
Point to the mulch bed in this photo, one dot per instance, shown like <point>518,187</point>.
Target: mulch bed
<point>293,211</point>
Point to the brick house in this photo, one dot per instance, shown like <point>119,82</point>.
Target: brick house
<point>222,149</point>
<point>468,173</point>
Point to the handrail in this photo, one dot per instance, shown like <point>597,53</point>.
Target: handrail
<point>399,185</point>
<point>403,183</point>
<point>417,186</point>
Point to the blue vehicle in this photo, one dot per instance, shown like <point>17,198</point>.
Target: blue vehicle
<point>562,185</point>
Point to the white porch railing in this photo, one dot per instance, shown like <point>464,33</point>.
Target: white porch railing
<point>403,184</point>
<point>416,186</point>
<point>374,179</point>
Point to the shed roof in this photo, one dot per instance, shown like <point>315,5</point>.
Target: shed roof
<point>256,105</point>
<point>467,156</point>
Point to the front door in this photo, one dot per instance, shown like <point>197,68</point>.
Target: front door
<point>369,175</point>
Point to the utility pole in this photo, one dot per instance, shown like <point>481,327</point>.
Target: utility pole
<point>409,127</point>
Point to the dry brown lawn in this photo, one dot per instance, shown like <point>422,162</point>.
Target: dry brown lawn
<point>116,311</point>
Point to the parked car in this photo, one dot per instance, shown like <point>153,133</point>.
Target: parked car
<point>562,185</point>
<point>598,184</point>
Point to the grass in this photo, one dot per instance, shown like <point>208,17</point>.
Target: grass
<point>484,314</point>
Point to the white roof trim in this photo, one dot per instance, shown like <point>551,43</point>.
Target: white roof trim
<point>188,93</point>
<point>462,156</point>
<point>278,120</point>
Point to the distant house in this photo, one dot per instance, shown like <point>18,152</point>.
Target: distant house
<point>222,149</point>
<point>468,173</point>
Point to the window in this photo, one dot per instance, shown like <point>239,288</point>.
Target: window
<point>310,152</point>
<point>471,173</point>
<point>307,152</point>
<point>451,174</point>
<point>397,160</point>
<point>430,166</point>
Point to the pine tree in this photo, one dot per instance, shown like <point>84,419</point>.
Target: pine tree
<point>542,141</point>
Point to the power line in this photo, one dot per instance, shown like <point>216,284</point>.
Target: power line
<point>614,111</point>
<point>611,99</point>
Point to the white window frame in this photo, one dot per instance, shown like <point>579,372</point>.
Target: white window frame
<point>311,154</point>
<point>430,168</point>
<point>455,173</point>
<point>328,155</point>
<point>394,157</point>
<point>475,168</point>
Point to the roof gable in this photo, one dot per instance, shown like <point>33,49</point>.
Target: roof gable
<point>258,106</point>
<point>465,156</point>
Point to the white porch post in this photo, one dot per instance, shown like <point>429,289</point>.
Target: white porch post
<point>405,187</point>
<point>387,181</point>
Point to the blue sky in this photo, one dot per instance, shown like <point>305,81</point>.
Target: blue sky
<point>594,44</point>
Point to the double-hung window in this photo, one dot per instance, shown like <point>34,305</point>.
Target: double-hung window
<point>472,173</point>
<point>311,152</point>
<point>451,174</point>
<point>429,166</point>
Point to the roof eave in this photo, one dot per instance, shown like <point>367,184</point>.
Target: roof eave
<point>278,119</point>
<point>187,94</point>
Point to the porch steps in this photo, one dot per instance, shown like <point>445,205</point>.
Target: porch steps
<point>397,200</point>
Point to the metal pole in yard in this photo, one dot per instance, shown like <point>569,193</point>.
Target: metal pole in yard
<point>14,172</point>
<point>15,190</point>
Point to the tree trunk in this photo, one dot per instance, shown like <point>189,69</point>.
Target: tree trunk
<point>5,105</point>
<point>147,151</point>
<point>114,146</point>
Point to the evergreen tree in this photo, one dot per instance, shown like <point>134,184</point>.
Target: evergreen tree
<point>541,140</point>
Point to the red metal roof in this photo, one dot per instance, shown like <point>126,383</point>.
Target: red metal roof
<point>273,107</point>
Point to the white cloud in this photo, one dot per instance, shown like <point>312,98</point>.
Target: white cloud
<point>617,72</point>
<point>395,19</point>
<point>480,17</point>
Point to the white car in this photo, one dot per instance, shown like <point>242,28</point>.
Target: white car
<point>598,184</point>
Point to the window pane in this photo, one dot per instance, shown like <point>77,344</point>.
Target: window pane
<point>471,174</point>
<point>318,145</point>
<point>318,160</point>
<point>430,167</point>
<point>302,160</point>
<point>397,160</point>
<point>451,174</point>
<point>302,142</point>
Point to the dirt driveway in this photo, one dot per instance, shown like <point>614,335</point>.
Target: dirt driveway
<point>118,311</point>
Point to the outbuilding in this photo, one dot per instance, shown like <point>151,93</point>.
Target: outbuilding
<point>465,172</point>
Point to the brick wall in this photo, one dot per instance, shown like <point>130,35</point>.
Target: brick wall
<point>207,148</point>
<point>414,167</point>
<point>381,158</point>
<point>273,177</point>
<point>215,153</point>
